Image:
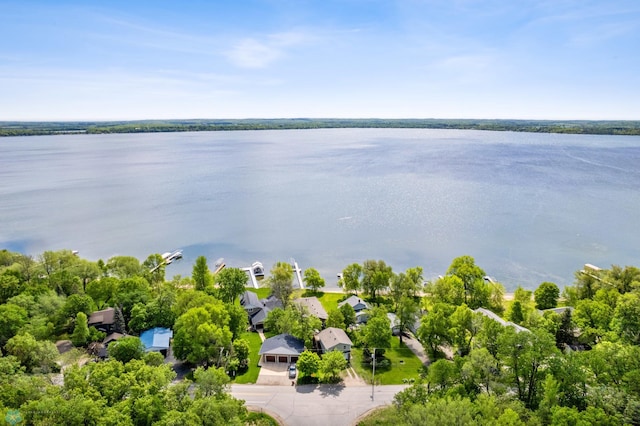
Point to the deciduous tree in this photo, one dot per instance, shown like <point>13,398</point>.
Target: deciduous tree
<point>313,280</point>
<point>351,281</point>
<point>126,349</point>
<point>281,282</point>
<point>546,295</point>
<point>375,277</point>
<point>308,363</point>
<point>331,364</point>
<point>231,283</point>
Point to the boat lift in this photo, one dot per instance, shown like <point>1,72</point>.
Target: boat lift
<point>255,270</point>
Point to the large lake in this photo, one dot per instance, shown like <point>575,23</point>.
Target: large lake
<point>528,207</point>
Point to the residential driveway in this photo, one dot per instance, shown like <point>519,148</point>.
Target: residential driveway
<point>416,347</point>
<point>274,374</point>
<point>316,405</point>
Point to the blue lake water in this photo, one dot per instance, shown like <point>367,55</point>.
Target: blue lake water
<point>528,207</point>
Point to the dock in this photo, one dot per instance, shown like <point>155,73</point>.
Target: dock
<point>254,270</point>
<point>298,272</point>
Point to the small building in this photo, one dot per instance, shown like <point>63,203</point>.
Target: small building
<point>103,320</point>
<point>334,339</point>
<point>281,349</point>
<point>355,302</point>
<point>157,339</point>
<point>314,307</point>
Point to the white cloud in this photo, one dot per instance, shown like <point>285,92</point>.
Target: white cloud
<point>253,53</point>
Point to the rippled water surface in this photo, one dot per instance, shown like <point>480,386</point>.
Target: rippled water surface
<point>528,207</point>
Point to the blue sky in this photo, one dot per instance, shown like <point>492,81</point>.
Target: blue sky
<point>104,60</point>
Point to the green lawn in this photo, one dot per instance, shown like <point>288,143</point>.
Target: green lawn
<point>251,375</point>
<point>404,365</point>
<point>262,292</point>
<point>329,301</point>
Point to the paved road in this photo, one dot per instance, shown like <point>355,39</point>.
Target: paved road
<point>311,405</point>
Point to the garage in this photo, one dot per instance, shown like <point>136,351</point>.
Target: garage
<point>281,349</point>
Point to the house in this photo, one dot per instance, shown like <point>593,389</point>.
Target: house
<point>560,311</point>
<point>334,339</point>
<point>156,340</point>
<point>362,317</point>
<point>313,305</point>
<point>258,309</point>
<point>112,338</point>
<point>103,320</point>
<point>393,323</point>
<point>489,314</point>
<point>355,302</point>
<point>281,349</point>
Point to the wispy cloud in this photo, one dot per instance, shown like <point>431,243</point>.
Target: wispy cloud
<point>260,53</point>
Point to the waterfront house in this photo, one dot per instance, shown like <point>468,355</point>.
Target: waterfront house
<point>355,302</point>
<point>313,305</point>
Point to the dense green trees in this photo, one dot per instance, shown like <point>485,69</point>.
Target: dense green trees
<point>126,349</point>
<point>281,282</point>
<point>231,283</point>
<point>202,335</point>
<point>376,276</point>
<point>331,364</point>
<point>294,320</point>
<point>481,371</point>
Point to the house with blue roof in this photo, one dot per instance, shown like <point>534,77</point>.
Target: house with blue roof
<point>157,340</point>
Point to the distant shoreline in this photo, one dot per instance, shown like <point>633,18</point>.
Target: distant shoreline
<point>583,127</point>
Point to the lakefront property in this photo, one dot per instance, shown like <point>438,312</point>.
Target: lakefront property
<point>430,337</point>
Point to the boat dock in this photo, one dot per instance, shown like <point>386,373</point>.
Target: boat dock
<point>255,270</point>
<point>298,272</point>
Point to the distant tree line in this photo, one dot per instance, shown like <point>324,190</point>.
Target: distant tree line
<point>601,127</point>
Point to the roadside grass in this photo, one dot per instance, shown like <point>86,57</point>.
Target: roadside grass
<point>404,365</point>
<point>251,375</point>
<point>383,416</point>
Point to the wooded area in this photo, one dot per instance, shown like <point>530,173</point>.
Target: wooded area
<point>605,127</point>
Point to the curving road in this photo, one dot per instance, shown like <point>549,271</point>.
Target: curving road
<point>310,405</point>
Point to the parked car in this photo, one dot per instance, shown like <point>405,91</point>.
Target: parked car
<point>292,371</point>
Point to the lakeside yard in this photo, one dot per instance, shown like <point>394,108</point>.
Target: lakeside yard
<point>404,365</point>
<point>251,375</point>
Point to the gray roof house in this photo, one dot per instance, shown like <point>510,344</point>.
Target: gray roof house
<point>560,311</point>
<point>258,309</point>
<point>314,307</point>
<point>489,314</point>
<point>356,303</point>
<point>281,349</point>
<point>334,339</point>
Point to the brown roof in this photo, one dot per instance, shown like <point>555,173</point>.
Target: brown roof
<point>313,305</point>
<point>112,337</point>
<point>330,337</point>
<point>105,316</point>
